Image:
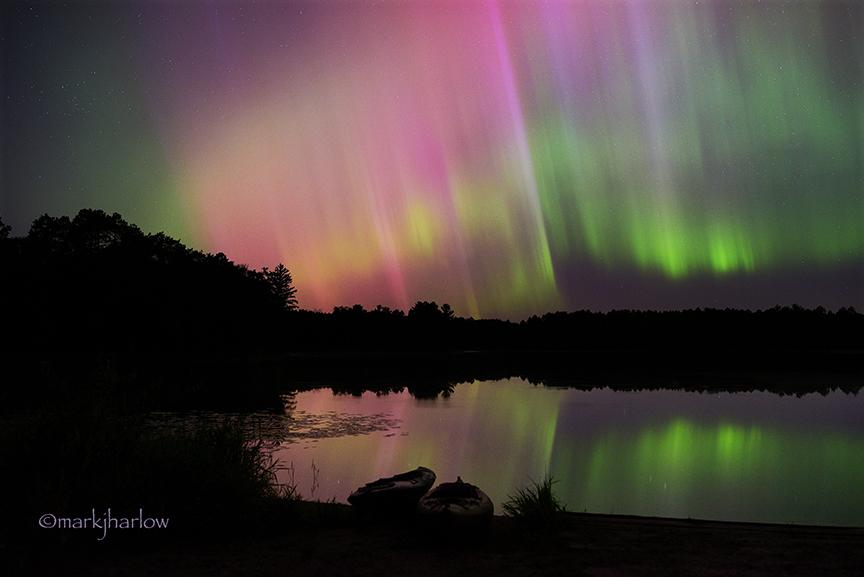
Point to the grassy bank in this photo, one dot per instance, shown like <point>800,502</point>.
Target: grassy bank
<point>227,519</point>
<point>70,470</point>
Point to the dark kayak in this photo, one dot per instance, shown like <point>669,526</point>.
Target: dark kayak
<point>458,504</point>
<point>394,493</point>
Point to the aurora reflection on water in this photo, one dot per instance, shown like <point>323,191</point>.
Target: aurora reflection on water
<point>740,457</point>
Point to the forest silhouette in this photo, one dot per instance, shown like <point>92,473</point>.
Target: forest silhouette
<point>94,294</point>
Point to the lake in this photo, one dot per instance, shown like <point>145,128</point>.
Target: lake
<point>754,456</point>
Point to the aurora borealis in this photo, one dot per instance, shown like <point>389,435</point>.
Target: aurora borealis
<point>509,158</point>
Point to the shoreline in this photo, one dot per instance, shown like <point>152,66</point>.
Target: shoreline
<point>346,543</point>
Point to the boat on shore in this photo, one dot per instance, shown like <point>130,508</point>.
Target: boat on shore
<point>399,492</point>
<point>457,505</point>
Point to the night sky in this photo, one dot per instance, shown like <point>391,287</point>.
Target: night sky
<point>508,158</point>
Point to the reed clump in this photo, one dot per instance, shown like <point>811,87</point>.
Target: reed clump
<point>536,505</point>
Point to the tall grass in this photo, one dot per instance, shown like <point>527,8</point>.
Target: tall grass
<point>68,462</point>
<point>535,505</point>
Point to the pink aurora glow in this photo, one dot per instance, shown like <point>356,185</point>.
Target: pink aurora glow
<point>472,152</point>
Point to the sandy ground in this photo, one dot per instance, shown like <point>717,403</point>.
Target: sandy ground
<point>350,545</point>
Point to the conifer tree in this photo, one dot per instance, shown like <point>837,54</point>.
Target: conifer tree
<point>282,287</point>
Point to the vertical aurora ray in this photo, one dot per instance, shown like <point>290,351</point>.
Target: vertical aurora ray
<point>507,157</point>
<point>730,132</point>
<point>396,176</point>
<point>523,154</point>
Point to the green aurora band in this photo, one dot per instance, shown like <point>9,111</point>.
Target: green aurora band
<point>506,157</point>
<point>753,160</point>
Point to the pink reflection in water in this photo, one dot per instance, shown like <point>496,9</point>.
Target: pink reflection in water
<point>746,457</point>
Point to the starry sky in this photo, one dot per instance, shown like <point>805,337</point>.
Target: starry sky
<point>506,157</point>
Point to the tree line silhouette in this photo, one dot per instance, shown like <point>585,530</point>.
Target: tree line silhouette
<point>428,326</point>
<point>93,291</point>
<point>98,282</point>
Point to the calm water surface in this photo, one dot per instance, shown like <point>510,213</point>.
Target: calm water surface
<point>742,457</point>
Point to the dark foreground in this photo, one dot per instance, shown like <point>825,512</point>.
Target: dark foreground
<point>349,545</point>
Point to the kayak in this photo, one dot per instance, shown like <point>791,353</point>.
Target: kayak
<point>393,493</point>
<point>458,504</point>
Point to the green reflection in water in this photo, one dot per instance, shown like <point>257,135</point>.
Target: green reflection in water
<point>722,471</point>
<point>743,457</point>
